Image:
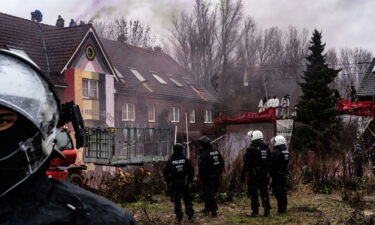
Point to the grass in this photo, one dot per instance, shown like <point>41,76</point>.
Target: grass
<point>304,208</point>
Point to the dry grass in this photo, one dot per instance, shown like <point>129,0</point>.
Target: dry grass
<point>305,207</point>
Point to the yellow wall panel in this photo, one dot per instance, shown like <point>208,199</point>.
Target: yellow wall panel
<point>78,88</point>
<point>90,75</point>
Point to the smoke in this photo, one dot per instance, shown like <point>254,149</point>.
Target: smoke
<point>157,14</point>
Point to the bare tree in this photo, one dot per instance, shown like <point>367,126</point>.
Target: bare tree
<point>354,63</point>
<point>131,32</point>
<point>193,38</point>
<point>229,35</point>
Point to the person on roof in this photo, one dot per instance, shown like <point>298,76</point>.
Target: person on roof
<point>29,114</point>
<point>284,104</point>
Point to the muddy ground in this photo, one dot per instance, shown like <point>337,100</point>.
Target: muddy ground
<point>305,207</point>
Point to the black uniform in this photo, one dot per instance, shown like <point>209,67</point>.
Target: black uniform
<point>279,170</point>
<point>358,161</point>
<point>44,201</point>
<point>211,166</point>
<point>255,165</point>
<point>178,174</point>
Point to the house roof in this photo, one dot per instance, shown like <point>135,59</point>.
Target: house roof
<point>148,63</point>
<point>367,85</point>
<point>50,47</point>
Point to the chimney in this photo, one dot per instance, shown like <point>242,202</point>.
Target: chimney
<point>36,16</point>
<point>158,49</point>
<point>60,22</point>
<point>72,23</point>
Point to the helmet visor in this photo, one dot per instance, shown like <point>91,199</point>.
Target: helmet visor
<point>23,90</point>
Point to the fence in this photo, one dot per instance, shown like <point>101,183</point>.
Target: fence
<point>126,146</point>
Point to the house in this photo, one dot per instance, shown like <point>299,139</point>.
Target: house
<point>115,85</point>
<point>72,58</point>
<point>156,102</point>
<point>366,89</point>
<point>153,90</point>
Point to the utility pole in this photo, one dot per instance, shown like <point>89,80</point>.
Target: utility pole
<point>265,87</point>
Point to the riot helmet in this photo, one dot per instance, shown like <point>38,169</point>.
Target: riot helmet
<point>178,148</point>
<point>28,96</point>
<point>204,141</point>
<point>256,135</point>
<point>278,140</point>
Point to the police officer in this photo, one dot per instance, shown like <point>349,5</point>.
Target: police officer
<point>211,166</point>
<point>256,166</point>
<point>358,160</point>
<point>29,113</point>
<point>279,170</point>
<point>178,174</point>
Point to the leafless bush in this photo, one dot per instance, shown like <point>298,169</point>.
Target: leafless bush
<point>136,184</point>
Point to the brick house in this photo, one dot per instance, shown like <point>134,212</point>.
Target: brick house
<point>72,58</point>
<point>115,85</point>
<point>153,90</point>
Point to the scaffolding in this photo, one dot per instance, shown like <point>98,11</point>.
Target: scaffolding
<point>127,146</point>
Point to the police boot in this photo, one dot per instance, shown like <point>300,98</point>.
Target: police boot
<point>205,212</point>
<point>178,219</point>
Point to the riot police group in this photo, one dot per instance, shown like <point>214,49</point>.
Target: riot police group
<point>260,164</point>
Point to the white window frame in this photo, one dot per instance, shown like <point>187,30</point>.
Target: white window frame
<point>137,74</point>
<point>192,116</point>
<point>175,114</point>
<point>208,116</point>
<point>90,89</point>
<point>128,112</point>
<point>178,84</point>
<point>151,115</point>
<point>158,78</point>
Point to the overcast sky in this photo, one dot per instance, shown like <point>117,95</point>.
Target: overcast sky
<point>344,23</point>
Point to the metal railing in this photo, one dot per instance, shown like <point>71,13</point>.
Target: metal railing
<point>124,146</point>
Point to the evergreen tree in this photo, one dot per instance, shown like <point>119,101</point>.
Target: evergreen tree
<point>317,127</point>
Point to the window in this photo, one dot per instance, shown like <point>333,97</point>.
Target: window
<point>89,89</point>
<point>151,113</point>
<point>128,112</point>
<point>176,82</point>
<point>192,116</point>
<point>208,116</point>
<point>158,78</point>
<point>137,75</point>
<point>175,114</point>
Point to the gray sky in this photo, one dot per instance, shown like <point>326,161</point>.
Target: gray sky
<point>344,23</point>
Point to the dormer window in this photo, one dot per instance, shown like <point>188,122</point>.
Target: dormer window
<point>137,75</point>
<point>178,84</point>
<point>158,78</point>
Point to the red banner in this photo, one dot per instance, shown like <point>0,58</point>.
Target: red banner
<point>267,116</point>
<point>358,108</point>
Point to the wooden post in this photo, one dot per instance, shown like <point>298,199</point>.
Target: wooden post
<point>187,137</point>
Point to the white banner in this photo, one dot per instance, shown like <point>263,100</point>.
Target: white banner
<point>285,128</point>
